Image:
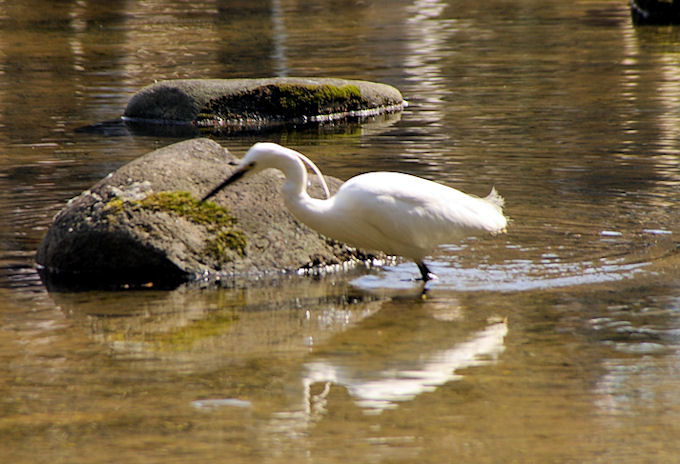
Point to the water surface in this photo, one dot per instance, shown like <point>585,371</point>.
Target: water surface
<point>557,342</point>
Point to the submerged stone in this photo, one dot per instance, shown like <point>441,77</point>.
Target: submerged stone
<point>655,12</point>
<point>143,224</point>
<point>223,104</point>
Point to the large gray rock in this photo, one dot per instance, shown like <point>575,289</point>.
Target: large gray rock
<point>253,103</point>
<point>143,223</point>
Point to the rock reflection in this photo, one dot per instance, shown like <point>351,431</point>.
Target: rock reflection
<point>200,330</point>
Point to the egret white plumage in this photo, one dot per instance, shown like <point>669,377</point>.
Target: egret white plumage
<point>396,213</point>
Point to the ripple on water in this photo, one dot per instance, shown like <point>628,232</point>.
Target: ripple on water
<point>518,275</point>
<point>598,258</point>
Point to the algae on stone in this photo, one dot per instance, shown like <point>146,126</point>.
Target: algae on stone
<point>310,100</point>
<point>283,102</point>
<point>216,219</point>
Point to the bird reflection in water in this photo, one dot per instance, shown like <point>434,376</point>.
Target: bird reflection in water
<point>378,390</point>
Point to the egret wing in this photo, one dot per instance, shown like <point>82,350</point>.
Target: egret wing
<point>410,216</point>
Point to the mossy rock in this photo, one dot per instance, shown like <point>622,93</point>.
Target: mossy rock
<point>253,103</point>
<point>143,224</point>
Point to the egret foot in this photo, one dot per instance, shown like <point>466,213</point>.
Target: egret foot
<point>426,274</point>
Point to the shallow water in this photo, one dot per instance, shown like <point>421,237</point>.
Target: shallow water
<point>557,342</point>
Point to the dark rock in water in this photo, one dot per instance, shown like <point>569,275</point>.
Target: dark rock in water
<point>228,104</point>
<point>144,224</point>
<point>655,12</point>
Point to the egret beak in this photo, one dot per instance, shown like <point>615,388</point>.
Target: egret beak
<point>236,175</point>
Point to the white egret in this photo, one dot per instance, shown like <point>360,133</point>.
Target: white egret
<point>396,213</point>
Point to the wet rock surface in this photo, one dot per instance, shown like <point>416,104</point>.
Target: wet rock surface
<point>143,224</point>
<point>224,104</point>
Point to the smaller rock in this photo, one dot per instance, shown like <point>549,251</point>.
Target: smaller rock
<point>254,103</point>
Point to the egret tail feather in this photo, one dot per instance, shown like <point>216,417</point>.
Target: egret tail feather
<point>495,199</point>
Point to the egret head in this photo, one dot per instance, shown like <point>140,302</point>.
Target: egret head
<point>265,155</point>
<point>255,160</point>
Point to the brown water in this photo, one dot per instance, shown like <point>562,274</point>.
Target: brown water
<point>558,342</point>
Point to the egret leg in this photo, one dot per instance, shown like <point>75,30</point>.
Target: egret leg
<point>425,272</point>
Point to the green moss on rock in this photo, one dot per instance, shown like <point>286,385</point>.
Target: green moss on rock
<point>216,219</point>
<point>311,100</point>
<point>284,102</point>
